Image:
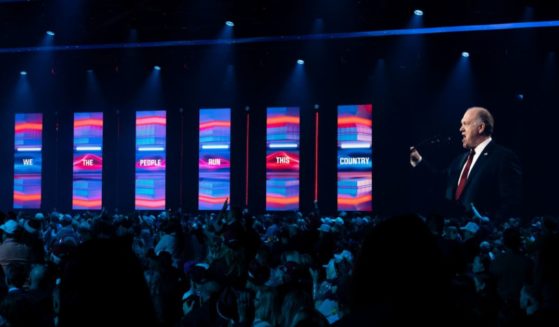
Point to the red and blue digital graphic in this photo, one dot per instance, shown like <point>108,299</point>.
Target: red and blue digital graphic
<point>282,158</point>
<point>214,161</point>
<point>28,160</point>
<point>355,138</point>
<point>88,161</point>
<point>151,133</point>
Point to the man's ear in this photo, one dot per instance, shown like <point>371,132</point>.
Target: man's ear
<point>481,128</point>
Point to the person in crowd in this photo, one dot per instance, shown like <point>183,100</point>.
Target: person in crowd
<point>13,248</point>
<point>399,276</point>
<point>274,271</point>
<point>19,307</point>
<point>102,284</point>
<point>512,271</point>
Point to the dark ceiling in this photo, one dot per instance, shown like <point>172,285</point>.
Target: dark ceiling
<point>24,22</point>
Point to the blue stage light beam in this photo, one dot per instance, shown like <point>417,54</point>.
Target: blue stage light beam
<point>294,38</point>
<point>93,94</point>
<point>229,83</point>
<point>226,33</point>
<point>296,88</point>
<point>459,91</point>
<point>318,26</point>
<point>22,96</point>
<point>150,94</point>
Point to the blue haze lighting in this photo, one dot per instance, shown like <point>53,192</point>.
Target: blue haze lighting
<point>229,23</point>
<point>465,54</point>
<point>50,33</point>
<point>150,92</point>
<point>292,38</point>
<point>23,73</point>
<point>318,26</point>
<point>458,90</point>
<point>418,12</point>
<point>528,13</point>
<point>300,62</point>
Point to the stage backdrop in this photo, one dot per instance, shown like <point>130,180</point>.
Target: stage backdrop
<point>355,138</point>
<point>282,158</point>
<point>151,132</point>
<point>28,158</point>
<point>88,161</point>
<point>214,161</point>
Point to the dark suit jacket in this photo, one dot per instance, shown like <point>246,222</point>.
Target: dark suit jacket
<point>494,184</point>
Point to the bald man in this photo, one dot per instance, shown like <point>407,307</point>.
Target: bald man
<point>488,175</point>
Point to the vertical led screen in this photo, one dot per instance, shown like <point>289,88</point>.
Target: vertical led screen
<point>150,160</point>
<point>355,138</point>
<point>88,161</point>
<point>28,161</point>
<point>282,158</point>
<point>214,162</point>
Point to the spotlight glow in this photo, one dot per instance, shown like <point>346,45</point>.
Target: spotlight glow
<point>418,12</point>
<point>300,62</point>
<point>157,68</point>
<point>50,33</point>
<point>23,73</point>
<point>229,23</point>
<point>465,54</point>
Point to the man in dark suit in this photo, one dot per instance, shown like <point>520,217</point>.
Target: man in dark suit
<point>488,176</point>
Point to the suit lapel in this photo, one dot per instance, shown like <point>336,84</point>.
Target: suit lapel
<point>481,161</point>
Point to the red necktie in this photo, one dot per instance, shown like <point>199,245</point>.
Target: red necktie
<point>464,176</point>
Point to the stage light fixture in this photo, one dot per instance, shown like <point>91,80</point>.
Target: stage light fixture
<point>300,62</point>
<point>418,12</point>
<point>465,54</point>
<point>157,68</point>
<point>23,73</point>
<point>229,23</point>
<point>50,33</point>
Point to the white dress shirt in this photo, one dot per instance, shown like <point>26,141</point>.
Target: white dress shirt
<point>478,151</point>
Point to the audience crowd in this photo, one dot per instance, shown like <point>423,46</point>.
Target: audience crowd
<point>231,268</point>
